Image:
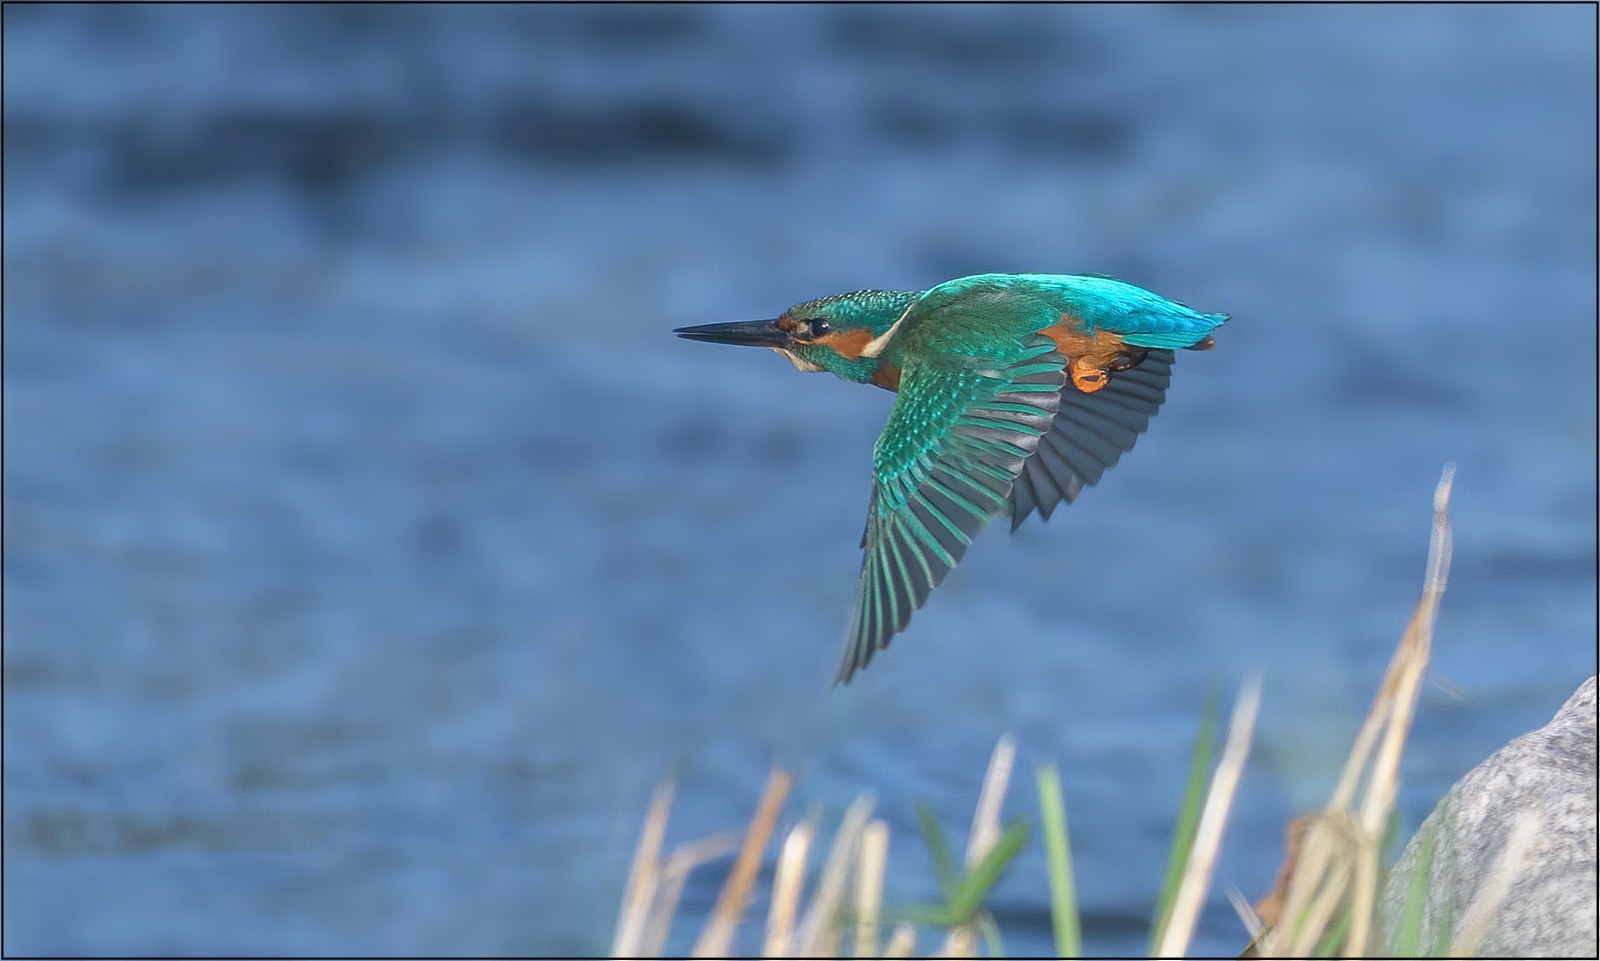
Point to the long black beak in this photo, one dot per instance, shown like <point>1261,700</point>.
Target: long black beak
<point>745,333</point>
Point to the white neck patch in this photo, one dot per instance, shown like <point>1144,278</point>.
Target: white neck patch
<point>876,345</point>
<point>800,363</point>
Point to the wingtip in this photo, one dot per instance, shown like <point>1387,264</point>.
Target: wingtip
<point>847,670</point>
<point>857,656</point>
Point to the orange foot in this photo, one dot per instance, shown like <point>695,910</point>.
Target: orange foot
<point>1087,377</point>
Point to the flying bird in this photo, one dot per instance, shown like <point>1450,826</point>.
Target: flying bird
<point>1015,391</point>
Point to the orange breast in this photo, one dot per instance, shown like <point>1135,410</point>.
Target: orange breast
<point>887,376</point>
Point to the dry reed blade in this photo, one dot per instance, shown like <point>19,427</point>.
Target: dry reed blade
<point>961,942</point>
<point>1383,784</point>
<point>869,886</point>
<point>1213,818</point>
<point>1338,862</point>
<point>786,882</point>
<point>1269,908</point>
<point>684,858</point>
<point>1391,690</point>
<point>819,931</point>
<point>902,942</point>
<point>1301,922</point>
<point>643,876</point>
<point>717,936</point>
<point>986,818</point>
<point>1246,913</point>
<point>1310,882</point>
<point>1363,891</point>
<point>1321,910</point>
<point>1418,642</point>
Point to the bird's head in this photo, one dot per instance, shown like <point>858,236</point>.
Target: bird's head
<point>829,334</point>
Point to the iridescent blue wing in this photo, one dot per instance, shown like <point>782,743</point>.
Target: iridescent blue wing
<point>960,431</point>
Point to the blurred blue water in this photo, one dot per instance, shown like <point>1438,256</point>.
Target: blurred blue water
<point>372,549</point>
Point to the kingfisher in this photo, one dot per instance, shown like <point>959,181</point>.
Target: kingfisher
<point>1014,392</point>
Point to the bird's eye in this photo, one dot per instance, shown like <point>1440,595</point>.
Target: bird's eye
<point>819,327</point>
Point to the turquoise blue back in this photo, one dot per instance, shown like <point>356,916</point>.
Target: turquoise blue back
<point>1017,304</point>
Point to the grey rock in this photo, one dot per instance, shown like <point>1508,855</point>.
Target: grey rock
<point>1512,869</point>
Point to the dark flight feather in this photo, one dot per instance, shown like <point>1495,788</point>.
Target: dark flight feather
<point>1089,433</point>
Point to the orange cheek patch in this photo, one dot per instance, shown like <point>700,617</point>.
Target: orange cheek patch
<point>849,344</point>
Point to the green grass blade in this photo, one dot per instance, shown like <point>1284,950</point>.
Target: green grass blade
<point>1194,794</point>
<point>1446,846</point>
<point>1329,944</point>
<point>1443,931</point>
<point>944,866</point>
<point>1063,898</point>
<point>1391,831</point>
<point>1408,940</point>
<point>970,893</point>
<point>927,915</point>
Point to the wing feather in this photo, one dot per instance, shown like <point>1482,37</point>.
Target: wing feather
<point>1088,434</point>
<point>959,434</point>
